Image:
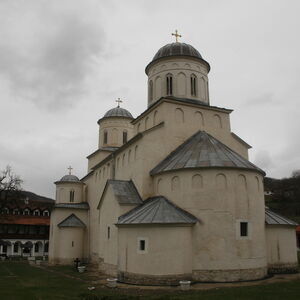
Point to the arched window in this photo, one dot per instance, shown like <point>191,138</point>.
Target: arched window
<point>26,212</point>
<point>36,212</point>
<point>16,247</point>
<point>36,247</point>
<point>150,90</point>
<point>193,85</point>
<point>72,193</point>
<point>46,213</point>
<point>105,137</point>
<point>5,211</point>
<point>169,82</point>
<point>124,137</point>
<point>46,249</point>
<point>16,211</point>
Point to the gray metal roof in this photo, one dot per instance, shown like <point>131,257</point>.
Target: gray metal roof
<point>125,191</point>
<point>157,210</point>
<point>82,205</point>
<point>118,112</point>
<point>176,49</point>
<point>71,221</point>
<point>203,151</point>
<point>70,177</point>
<point>273,218</point>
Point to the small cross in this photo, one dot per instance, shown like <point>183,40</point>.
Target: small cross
<point>119,101</point>
<point>176,35</point>
<point>70,170</point>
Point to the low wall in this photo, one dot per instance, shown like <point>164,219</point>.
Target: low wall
<point>229,275</point>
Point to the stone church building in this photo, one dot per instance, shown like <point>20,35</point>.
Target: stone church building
<point>171,194</point>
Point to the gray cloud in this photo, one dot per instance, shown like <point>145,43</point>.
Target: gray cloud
<point>48,51</point>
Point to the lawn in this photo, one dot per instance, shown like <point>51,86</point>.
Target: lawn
<point>19,280</point>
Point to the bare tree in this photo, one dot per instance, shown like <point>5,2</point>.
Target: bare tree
<point>296,173</point>
<point>10,186</point>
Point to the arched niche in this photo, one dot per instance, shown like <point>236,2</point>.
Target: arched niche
<point>202,86</point>
<point>181,84</point>
<point>217,121</point>
<point>221,181</point>
<point>257,183</point>
<point>155,118</point>
<point>159,186</point>
<point>197,181</point>
<point>146,123</point>
<point>199,119</point>
<point>158,87</point>
<point>175,183</point>
<point>242,182</point>
<point>114,136</point>
<point>179,115</point>
<point>129,156</point>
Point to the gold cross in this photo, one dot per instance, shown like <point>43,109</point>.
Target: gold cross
<point>176,35</point>
<point>119,101</point>
<point>70,170</point>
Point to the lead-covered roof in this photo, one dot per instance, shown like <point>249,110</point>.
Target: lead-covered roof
<point>203,151</point>
<point>157,210</point>
<point>273,218</point>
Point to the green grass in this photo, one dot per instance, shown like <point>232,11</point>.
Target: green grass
<point>19,280</point>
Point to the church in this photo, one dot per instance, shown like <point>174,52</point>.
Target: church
<point>171,195</point>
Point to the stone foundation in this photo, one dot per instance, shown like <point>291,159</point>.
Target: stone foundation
<point>283,268</point>
<point>229,275</point>
<point>143,279</point>
<point>109,269</point>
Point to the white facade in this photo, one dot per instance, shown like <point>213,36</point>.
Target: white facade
<point>222,234</point>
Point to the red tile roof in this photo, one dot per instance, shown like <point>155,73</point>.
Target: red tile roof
<point>26,220</point>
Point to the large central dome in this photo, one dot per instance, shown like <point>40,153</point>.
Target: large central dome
<point>176,49</point>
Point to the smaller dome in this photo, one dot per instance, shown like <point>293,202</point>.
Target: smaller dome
<point>118,112</point>
<point>70,178</point>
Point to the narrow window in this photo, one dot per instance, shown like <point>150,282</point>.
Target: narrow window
<point>124,137</point>
<point>72,243</point>
<point>108,232</point>
<point>244,228</point>
<point>46,247</point>
<point>72,196</point>
<point>169,84</point>
<point>16,248</point>
<point>193,85</point>
<point>142,245</point>
<point>105,137</point>
<point>150,90</point>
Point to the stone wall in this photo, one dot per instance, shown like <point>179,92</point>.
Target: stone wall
<point>144,279</point>
<point>229,275</point>
<point>283,268</point>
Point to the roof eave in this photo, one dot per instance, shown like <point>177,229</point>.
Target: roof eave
<point>177,56</point>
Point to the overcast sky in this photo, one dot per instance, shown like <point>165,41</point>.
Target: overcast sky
<point>64,63</point>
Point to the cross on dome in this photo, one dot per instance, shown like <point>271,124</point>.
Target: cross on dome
<point>119,101</point>
<point>70,170</point>
<point>176,35</point>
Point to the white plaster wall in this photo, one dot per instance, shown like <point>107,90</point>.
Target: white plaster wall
<point>108,215</point>
<point>114,127</point>
<point>63,192</point>
<point>169,250</point>
<point>281,245</point>
<point>59,250</point>
<point>220,201</point>
<point>181,69</point>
